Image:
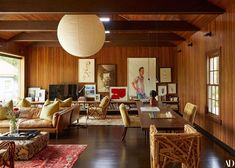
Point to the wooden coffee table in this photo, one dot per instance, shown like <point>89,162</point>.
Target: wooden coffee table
<point>26,149</point>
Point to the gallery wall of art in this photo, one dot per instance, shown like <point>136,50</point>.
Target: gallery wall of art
<point>52,65</point>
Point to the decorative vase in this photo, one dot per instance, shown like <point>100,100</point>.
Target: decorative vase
<point>12,126</point>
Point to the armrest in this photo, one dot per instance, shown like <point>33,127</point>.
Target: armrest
<point>61,119</point>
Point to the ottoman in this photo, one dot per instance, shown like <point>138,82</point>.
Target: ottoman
<point>26,149</point>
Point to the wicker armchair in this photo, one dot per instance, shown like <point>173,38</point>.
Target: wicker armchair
<point>170,148</point>
<point>100,111</point>
<point>7,153</point>
<point>190,111</point>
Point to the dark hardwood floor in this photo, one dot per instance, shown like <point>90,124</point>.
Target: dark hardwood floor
<point>105,149</point>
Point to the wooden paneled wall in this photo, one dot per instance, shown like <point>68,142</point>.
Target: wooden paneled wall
<point>191,63</point>
<point>52,65</point>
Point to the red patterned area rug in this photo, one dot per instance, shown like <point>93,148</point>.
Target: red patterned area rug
<point>54,156</point>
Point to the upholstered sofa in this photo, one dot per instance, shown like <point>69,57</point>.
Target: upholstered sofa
<point>30,118</point>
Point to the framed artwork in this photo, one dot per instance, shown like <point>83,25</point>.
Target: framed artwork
<point>90,91</point>
<point>162,90</point>
<point>141,76</point>
<point>118,93</point>
<point>171,88</point>
<point>106,77</point>
<point>97,97</point>
<point>41,95</point>
<point>86,70</point>
<point>165,75</point>
<point>33,92</point>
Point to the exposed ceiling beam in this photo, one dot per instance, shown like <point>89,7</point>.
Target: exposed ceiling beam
<point>144,36</point>
<point>130,43</point>
<point>112,25</point>
<point>35,37</point>
<point>151,25</point>
<point>28,25</point>
<point>52,36</point>
<point>110,6</point>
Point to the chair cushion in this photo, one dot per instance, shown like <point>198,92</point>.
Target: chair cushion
<point>134,121</point>
<point>65,103</point>
<point>23,103</point>
<point>189,112</point>
<point>48,111</point>
<point>104,102</point>
<point>124,114</point>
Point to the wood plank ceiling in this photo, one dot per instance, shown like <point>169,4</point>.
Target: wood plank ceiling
<point>133,22</point>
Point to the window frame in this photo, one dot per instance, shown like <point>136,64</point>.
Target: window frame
<point>209,55</point>
<point>22,71</point>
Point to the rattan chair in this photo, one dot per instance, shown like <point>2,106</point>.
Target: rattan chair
<point>7,153</point>
<point>190,111</point>
<point>172,148</point>
<point>128,122</point>
<point>100,111</point>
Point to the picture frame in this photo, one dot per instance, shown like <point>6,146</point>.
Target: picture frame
<point>86,70</point>
<point>105,77</point>
<point>165,75</point>
<point>41,95</point>
<point>33,92</point>
<point>172,88</point>
<point>118,94</point>
<point>97,97</point>
<point>90,91</point>
<point>162,90</point>
<point>149,77</point>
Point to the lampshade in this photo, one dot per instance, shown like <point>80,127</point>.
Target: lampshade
<point>81,35</point>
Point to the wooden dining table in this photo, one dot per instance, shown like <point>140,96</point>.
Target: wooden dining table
<point>176,122</point>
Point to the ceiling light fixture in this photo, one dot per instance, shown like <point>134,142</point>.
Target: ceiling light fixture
<point>104,19</point>
<point>81,35</point>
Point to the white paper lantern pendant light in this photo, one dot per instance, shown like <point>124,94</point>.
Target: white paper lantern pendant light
<point>81,35</point>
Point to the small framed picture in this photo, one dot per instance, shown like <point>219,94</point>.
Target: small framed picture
<point>171,88</point>
<point>97,97</point>
<point>118,93</point>
<point>165,75</point>
<point>90,91</point>
<point>162,90</point>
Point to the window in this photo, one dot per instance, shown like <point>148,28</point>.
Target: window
<point>11,78</point>
<point>213,89</point>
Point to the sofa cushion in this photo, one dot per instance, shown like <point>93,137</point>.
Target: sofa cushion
<point>23,103</point>
<point>48,111</point>
<point>36,123</point>
<point>65,103</point>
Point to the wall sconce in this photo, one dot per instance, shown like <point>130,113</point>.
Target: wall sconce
<point>208,34</point>
<point>190,44</point>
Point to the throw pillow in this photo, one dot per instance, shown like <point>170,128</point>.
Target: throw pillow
<point>25,112</point>
<point>66,103</point>
<point>48,111</point>
<point>4,113</point>
<point>47,102</point>
<point>9,104</point>
<point>23,103</point>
